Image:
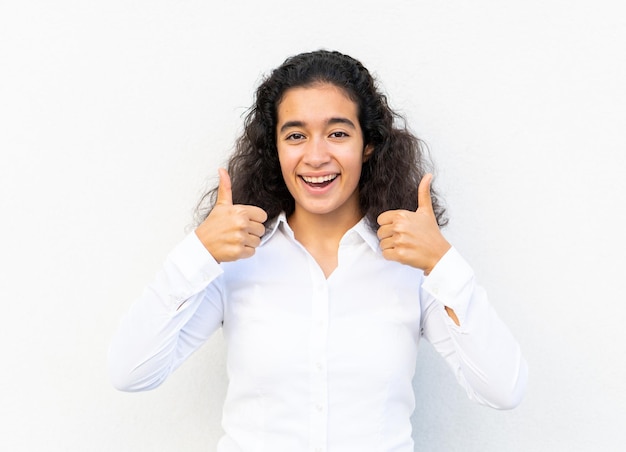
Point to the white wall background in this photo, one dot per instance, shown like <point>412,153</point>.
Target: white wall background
<point>115,114</point>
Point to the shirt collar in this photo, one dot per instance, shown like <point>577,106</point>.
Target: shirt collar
<point>366,233</point>
<point>273,225</point>
<point>361,229</point>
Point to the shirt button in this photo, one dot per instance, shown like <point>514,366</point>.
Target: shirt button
<point>318,365</point>
<point>319,407</point>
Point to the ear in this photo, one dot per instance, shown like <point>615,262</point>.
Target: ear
<point>367,152</point>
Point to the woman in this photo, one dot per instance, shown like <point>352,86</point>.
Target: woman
<point>322,260</point>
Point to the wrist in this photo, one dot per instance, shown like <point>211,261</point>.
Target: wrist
<point>443,249</point>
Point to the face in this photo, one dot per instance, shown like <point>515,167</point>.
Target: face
<point>321,150</point>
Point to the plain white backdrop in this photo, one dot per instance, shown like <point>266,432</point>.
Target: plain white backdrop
<point>114,116</point>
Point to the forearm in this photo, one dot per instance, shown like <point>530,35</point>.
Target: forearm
<point>174,316</point>
<point>484,356</point>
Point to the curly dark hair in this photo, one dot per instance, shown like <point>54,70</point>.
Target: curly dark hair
<point>389,177</point>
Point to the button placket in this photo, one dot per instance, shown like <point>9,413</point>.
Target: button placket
<point>318,358</point>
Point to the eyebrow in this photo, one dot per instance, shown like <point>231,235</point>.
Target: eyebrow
<point>329,122</point>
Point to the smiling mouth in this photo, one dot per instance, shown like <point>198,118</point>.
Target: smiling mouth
<point>319,182</point>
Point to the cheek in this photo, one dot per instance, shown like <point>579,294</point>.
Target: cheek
<point>287,166</point>
<point>355,166</point>
<point>282,160</point>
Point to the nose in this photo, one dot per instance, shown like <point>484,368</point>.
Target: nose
<point>317,153</point>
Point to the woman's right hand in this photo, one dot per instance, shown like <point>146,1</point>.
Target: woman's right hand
<point>231,232</point>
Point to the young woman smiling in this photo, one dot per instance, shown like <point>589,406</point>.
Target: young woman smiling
<point>319,253</point>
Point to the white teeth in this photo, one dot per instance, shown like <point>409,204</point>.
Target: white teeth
<point>320,179</point>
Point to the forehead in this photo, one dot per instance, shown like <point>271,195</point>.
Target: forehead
<point>317,101</point>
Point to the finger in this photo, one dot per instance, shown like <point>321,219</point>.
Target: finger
<point>252,241</point>
<point>384,232</point>
<point>390,254</point>
<point>224,189</point>
<point>386,217</point>
<point>246,252</point>
<point>424,200</point>
<point>257,214</point>
<point>387,244</point>
<point>256,229</point>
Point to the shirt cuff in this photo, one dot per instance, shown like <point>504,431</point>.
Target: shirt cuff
<point>195,265</point>
<point>451,282</point>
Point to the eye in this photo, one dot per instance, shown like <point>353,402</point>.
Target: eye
<point>295,136</point>
<point>339,135</point>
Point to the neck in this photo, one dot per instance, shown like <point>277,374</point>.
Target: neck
<point>321,234</point>
<point>322,230</point>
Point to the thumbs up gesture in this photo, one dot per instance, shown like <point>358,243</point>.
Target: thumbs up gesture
<point>413,238</point>
<point>231,231</point>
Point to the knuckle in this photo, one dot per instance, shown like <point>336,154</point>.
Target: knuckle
<point>237,239</point>
<point>240,222</point>
<point>402,252</point>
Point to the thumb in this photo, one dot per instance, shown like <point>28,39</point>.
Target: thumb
<point>423,193</point>
<point>224,190</point>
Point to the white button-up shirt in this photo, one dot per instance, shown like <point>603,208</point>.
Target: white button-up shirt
<point>317,364</point>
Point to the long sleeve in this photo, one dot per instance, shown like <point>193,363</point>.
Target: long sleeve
<point>174,316</point>
<point>484,356</point>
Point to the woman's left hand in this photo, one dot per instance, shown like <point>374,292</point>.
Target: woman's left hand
<point>413,238</point>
